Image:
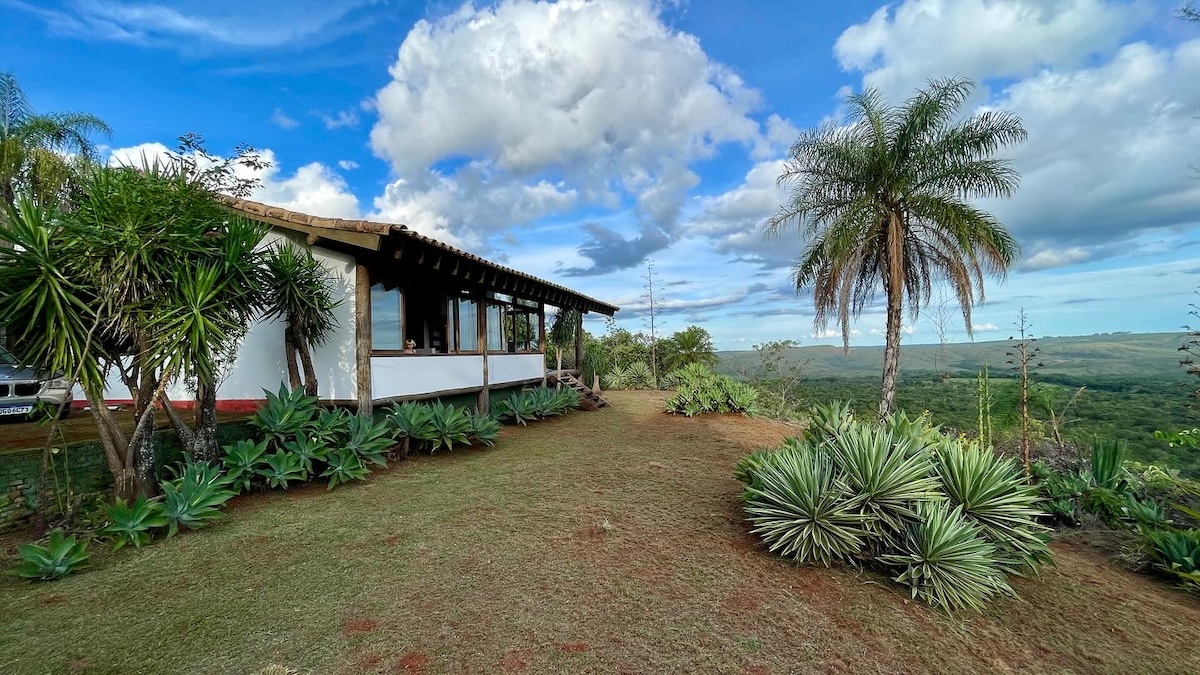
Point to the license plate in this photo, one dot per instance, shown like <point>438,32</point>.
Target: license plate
<point>16,409</point>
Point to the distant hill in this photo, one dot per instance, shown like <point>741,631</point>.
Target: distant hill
<point>1118,355</point>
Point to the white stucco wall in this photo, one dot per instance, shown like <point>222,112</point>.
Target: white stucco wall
<point>260,362</point>
<point>393,376</point>
<point>506,368</point>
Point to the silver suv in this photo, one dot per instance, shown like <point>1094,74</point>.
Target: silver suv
<point>22,389</point>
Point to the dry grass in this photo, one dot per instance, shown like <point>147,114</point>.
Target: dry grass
<point>602,542</point>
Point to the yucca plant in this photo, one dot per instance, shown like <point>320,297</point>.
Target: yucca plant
<point>451,425</point>
<point>59,557</point>
<point>343,466</point>
<point>308,449</point>
<point>132,523</point>
<point>242,461</point>
<point>411,425</point>
<point>285,415</point>
<point>281,468</point>
<point>890,474</point>
<point>370,439</point>
<point>992,492</point>
<point>826,422</point>
<point>946,561</point>
<point>801,512</point>
<point>484,429</point>
<point>746,469</point>
<point>195,497</point>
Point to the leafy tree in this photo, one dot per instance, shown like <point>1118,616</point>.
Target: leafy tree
<point>149,277</point>
<point>299,292</point>
<point>691,345</point>
<point>36,150</point>
<point>884,200</point>
<point>1189,12</point>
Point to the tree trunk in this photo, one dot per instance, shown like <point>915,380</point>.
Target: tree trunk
<point>310,373</point>
<point>204,438</point>
<point>895,307</point>
<point>124,485</point>
<point>290,346</point>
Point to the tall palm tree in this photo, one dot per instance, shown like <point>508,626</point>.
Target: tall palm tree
<point>886,200</point>
<point>36,150</point>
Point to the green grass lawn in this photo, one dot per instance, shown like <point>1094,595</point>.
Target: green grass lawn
<point>602,542</point>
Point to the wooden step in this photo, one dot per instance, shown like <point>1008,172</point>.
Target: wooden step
<point>588,399</point>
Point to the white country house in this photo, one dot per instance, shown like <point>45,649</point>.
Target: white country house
<point>478,326</point>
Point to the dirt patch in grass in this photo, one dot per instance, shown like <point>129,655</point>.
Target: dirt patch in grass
<point>611,541</point>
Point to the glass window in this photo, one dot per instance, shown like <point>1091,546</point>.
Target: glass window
<point>386,330</point>
<point>495,328</point>
<point>468,325</point>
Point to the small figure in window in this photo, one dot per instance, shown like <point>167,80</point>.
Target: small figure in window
<point>410,346</point>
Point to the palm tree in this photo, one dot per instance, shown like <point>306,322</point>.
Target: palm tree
<point>298,291</point>
<point>38,153</point>
<point>691,345</point>
<point>885,200</point>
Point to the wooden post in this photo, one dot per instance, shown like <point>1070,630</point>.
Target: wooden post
<point>579,344</point>
<point>484,404</point>
<point>362,338</point>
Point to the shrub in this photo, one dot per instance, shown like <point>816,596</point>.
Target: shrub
<point>484,429</point>
<point>411,425</point>
<point>59,557</point>
<point>370,439</point>
<point>801,511</point>
<point>451,425</point>
<point>1177,553</point>
<point>702,391</point>
<point>285,414</point>
<point>889,474</point>
<point>343,467</point>
<point>636,375</point>
<point>946,561</point>
<point>242,460</point>
<point>993,493</point>
<point>519,408</point>
<point>953,515</point>
<point>282,468</point>
<point>330,427</point>
<point>307,449</point>
<point>194,498</point>
<point>132,523</point>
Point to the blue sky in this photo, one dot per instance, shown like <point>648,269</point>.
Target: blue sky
<point>575,139</point>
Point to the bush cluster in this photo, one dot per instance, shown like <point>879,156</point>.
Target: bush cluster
<point>298,441</point>
<point>698,391</point>
<point>1159,507</point>
<point>538,404</point>
<point>945,516</point>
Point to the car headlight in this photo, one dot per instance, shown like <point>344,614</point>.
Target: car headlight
<point>59,383</point>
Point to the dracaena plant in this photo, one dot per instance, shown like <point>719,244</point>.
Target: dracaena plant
<point>133,523</point>
<point>59,557</point>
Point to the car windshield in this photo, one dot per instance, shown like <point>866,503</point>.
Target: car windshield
<point>7,359</point>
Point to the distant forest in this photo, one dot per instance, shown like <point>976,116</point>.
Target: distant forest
<point>1134,385</point>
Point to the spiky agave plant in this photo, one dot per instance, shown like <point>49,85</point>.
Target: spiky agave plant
<point>946,561</point>
<point>992,492</point>
<point>801,511</point>
<point>890,472</point>
<point>826,422</point>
